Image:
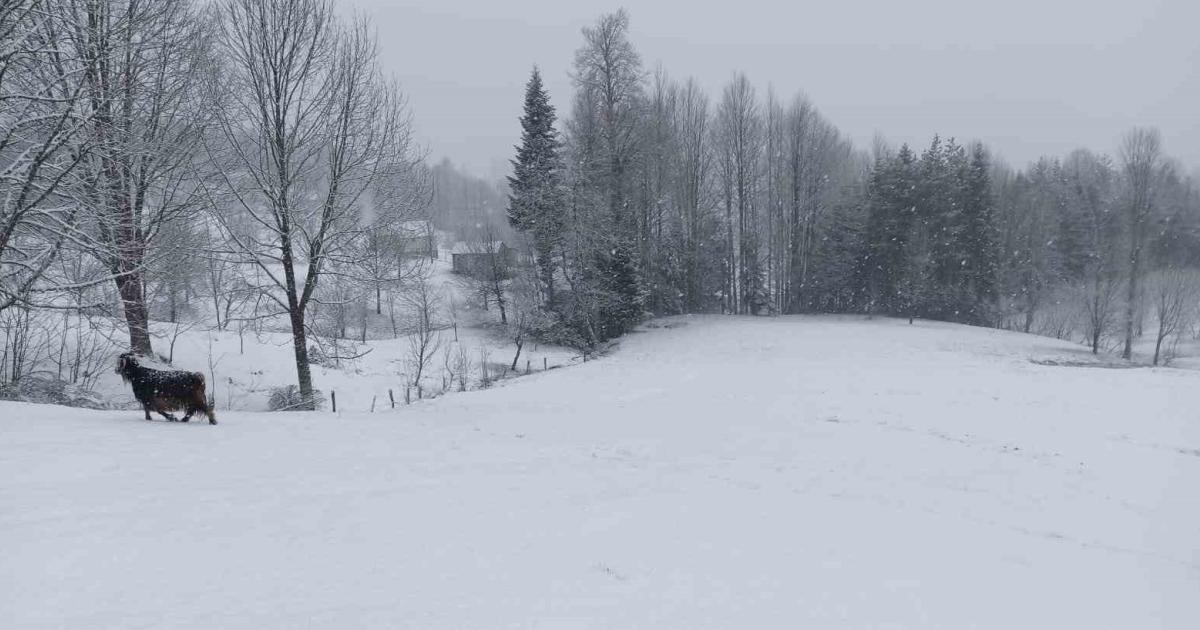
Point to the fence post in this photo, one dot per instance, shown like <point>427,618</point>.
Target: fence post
<point>373,404</point>
<point>544,365</point>
<point>333,399</point>
<point>392,398</point>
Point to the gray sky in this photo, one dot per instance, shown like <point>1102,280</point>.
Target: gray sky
<point>1027,77</point>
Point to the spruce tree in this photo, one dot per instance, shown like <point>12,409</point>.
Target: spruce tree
<point>535,204</point>
<point>978,239</point>
<point>891,220</point>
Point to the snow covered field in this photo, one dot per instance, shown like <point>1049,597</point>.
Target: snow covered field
<point>711,473</point>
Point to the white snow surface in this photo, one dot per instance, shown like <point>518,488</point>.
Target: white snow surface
<point>711,473</point>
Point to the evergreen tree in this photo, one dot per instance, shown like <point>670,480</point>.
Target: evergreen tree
<point>535,204</point>
<point>930,235</point>
<point>978,239</point>
<point>938,218</point>
<point>891,219</point>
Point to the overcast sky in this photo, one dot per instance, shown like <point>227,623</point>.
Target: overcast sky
<point>1027,77</point>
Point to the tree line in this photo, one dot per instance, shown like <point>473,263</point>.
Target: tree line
<point>651,197</point>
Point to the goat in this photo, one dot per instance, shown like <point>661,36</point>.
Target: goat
<point>163,391</point>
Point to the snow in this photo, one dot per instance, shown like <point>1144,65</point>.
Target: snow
<point>711,473</point>
<point>242,369</point>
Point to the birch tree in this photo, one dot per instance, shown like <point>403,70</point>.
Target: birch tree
<point>738,144</point>
<point>691,194</point>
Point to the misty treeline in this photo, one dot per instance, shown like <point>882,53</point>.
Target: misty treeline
<point>244,158</point>
<point>652,196</point>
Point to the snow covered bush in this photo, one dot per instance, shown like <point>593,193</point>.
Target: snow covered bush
<point>287,398</point>
<point>50,390</point>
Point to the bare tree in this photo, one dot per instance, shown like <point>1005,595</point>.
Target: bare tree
<point>691,189</point>
<point>308,127</point>
<point>426,338</point>
<point>228,290</point>
<point>401,242</point>
<point>815,153</point>
<point>1089,179</point>
<point>737,139</point>
<point>485,357</point>
<point>608,72</point>
<point>456,362</point>
<point>43,141</point>
<point>1100,297</point>
<point>1176,295</point>
<point>490,272</point>
<point>141,59</point>
<point>1142,162</point>
<point>526,316</point>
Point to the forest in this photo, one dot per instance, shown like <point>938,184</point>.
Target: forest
<point>655,197</point>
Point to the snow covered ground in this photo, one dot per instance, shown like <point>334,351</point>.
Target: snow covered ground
<point>711,473</point>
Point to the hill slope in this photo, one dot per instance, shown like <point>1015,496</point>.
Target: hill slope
<point>720,472</point>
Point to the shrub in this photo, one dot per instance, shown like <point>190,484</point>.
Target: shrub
<point>287,398</point>
<point>50,390</point>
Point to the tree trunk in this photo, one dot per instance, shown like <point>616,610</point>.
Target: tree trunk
<point>134,304</point>
<point>1135,269</point>
<point>1029,312</point>
<point>517,356</point>
<point>545,262</point>
<point>217,307</point>
<point>1131,304</point>
<point>303,371</point>
<point>1164,329</point>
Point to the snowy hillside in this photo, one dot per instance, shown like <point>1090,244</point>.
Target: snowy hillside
<point>711,473</point>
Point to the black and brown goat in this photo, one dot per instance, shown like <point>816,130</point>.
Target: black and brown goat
<point>163,391</point>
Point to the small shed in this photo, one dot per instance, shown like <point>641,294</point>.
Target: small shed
<point>415,239</point>
<point>483,261</point>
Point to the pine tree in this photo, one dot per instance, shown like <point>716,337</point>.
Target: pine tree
<point>978,239</point>
<point>535,205</point>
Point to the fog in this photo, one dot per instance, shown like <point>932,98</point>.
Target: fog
<point>1027,77</point>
